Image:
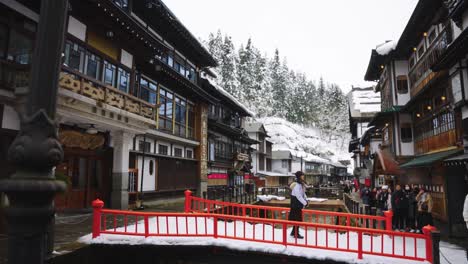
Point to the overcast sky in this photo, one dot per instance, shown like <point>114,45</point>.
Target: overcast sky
<point>329,38</point>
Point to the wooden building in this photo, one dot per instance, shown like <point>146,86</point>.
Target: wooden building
<point>420,122</point>
<point>229,151</point>
<point>132,112</point>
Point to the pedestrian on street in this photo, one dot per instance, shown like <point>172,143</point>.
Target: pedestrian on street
<point>365,194</point>
<point>382,198</point>
<point>346,188</point>
<point>298,202</point>
<point>400,208</point>
<point>411,213</point>
<point>373,197</point>
<point>424,217</point>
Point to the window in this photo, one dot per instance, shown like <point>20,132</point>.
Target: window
<point>20,48</point>
<point>181,69</point>
<point>189,154</point>
<point>144,146</point>
<point>123,80</point>
<point>284,164</point>
<point>163,149</point>
<point>170,61</point>
<point>177,152</point>
<point>151,167</point>
<point>421,50</point>
<point>3,40</point>
<point>402,84</point>
<point>92,65</point>
<point>148,91</point>
<point>192,75</point>
<point>432,36</point>
<point>212,151</point>
<point>165,110</point>
<point>74,56</point>
<point>109,73</point>
<point>180,114</point>
<point>406,133</point>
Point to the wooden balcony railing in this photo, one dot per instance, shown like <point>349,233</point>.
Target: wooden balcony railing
<point>86,86</point>
<point>421,73</point>
<point>13,75</point>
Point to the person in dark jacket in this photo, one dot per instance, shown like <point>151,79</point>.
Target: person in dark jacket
<point>400,208</point>
<point>298,202</point>
<point>366,194</point>
<point>412,204</point>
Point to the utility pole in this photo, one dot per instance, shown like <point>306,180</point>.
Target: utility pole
<point>36,150</point>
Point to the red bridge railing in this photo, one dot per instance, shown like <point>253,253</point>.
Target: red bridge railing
<point>200,205</point>
<point>362,241</point>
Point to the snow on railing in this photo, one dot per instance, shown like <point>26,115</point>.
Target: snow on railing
<point>362,241</point>
<point>200,205</point>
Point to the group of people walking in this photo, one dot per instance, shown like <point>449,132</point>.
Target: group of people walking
<point>411,205</point>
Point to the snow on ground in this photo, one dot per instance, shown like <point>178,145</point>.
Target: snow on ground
<point>236,229</point>
<point>266,198</point>
<point>307,142</point>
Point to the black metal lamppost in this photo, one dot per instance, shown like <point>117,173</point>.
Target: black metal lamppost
<point>36,150</point>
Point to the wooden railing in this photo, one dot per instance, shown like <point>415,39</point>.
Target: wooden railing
<point>13,75</point>
<point>81,84</point>
<point>244,195</point>
<point>421,73</point>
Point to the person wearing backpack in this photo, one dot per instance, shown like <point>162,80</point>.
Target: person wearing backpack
<point>424,200</point>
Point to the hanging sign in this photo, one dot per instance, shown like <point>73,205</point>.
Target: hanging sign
<point>75,139</point>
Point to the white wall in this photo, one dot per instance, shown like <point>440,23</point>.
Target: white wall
<point>401,68</point>
<point>10,119</point>
<point>407,148</point>
<point>149,180</point>
<point>276,166</point>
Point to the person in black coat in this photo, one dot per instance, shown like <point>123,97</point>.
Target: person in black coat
<point>298,202</point>
<point>412,205</point>
<point>400,207</point>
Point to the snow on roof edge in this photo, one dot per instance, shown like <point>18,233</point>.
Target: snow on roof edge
<point>230,96</point>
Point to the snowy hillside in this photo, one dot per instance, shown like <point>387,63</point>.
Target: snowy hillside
<point>297,138</point>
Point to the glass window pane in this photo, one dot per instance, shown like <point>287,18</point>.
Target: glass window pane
<point>93,65</point>
<point>169,109</point>
<point>109,73</point>
<point>20,48</point>
<point>170,61</point>
<point>152,97</point>
<point>123,80</point>
<point>144,94</point>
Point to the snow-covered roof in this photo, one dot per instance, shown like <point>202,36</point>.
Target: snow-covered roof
<point>228,95</point>
<point>280,154</point>
<point>253,126</point>
<point>386,48</point>
<point>364,102</point>
<point>274,174</point>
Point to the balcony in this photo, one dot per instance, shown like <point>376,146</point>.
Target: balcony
<point>421,74</point>
<point>104,94</point>
<point>13,75</point>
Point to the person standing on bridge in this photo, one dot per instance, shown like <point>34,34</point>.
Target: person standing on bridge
<point>298,202</point>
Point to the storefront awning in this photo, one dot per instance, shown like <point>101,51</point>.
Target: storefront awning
<point>273,174</point>
<point>426,160</point>
<point>457,160</point>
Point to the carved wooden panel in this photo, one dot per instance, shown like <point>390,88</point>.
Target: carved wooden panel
<point>92,91</point>
<point>132,106</point>
<point>115,99</point>
<point>69,82</point>
<point>147,112</point>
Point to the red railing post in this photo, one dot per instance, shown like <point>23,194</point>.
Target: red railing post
<point>285,234</point>
<point>427,230</point>
<point>215,227</point>
<point>146,226</point>
<point>97,207</point>
<point>188,200</point>
<point>359,245</point>
<point>388,220</point>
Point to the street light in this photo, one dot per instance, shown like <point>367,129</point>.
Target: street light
<point>36,150</point>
